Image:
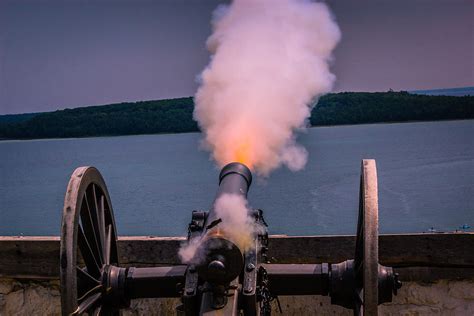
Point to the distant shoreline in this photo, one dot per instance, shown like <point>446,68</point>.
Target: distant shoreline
<point>395,122</point>
<point>198,132</point>
<point>175,116</point>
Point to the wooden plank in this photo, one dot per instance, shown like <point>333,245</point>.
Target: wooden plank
<point>432,250</point>
<point>432,274</point>
<point>440,250</point>
<point>148,251</point>
<point>38,257</point>
<point>29,257</point>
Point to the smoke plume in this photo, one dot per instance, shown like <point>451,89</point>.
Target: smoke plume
<point>270,62</point>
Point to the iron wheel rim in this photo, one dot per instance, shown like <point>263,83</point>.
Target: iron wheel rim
<point>366,256</point>
<point>88,244</point>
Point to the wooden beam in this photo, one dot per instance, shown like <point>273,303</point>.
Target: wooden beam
<point>403,250</point>
<point>38,257</point>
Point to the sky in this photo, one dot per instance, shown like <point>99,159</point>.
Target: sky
<point>57,54</point>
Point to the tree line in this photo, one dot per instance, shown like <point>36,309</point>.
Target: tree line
<point>176,115</point>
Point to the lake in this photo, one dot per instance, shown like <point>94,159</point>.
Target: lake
<point>425,173</point>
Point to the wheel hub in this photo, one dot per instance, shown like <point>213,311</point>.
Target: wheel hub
<point>113,280</point>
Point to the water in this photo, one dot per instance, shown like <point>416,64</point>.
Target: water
<point>455,92</point>
<point>425,172</point>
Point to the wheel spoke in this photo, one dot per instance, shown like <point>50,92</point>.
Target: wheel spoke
<point>98,218</point>
<point>358,302</point>
<point>101,218</point>
<point>360,224</point>
<point>90,228</point>
<point>359,251</point>
<point>108,243</point>
<point>357,310</point>
<point>94,290</point>
<point>86,278</point>
<point>96,221</point>
<point>88,255</point>
<point>88,303</point>
<point>97,311</point>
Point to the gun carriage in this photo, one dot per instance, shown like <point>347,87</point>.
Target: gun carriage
<point>226,280</point>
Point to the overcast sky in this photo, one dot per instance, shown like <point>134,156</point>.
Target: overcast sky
<point>56,54</point>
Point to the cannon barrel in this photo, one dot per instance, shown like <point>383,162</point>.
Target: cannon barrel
<point>234,178</point>
<point>219,258</point>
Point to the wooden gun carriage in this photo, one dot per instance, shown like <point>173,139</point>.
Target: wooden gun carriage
<point>227,280</point>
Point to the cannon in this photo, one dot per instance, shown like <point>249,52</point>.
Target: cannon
<point>226,280</point>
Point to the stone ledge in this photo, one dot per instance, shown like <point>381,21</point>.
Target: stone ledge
<point>420,256</point>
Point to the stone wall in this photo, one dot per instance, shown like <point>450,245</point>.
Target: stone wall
<point>20,297</point>
<point>437,271</point>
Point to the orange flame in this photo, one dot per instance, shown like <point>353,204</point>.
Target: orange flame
<point>243,154</point>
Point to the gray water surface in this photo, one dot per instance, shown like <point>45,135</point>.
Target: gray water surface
<point>425,172</point>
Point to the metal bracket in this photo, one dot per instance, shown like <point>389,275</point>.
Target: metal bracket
<point>190,292</point>
<point>196,225</point>
<point>249,283</point>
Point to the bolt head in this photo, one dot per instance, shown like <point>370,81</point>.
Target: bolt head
<point>248,290</point>
<point>250,267</point>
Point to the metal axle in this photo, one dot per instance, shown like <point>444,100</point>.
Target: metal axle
<point>335,280</point>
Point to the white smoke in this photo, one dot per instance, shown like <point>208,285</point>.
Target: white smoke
<point>236,225</point>
<point>188,250</point>
<point>270,61</point>
<point>233,210</point>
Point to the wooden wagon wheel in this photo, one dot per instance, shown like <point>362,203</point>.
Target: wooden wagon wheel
<point>367,250</point>
<point>88,248</point>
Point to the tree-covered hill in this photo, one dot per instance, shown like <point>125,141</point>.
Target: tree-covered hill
<point>175,115</point>
<point>15,118</point>
<point>364,107</point>
<point>147,117</point>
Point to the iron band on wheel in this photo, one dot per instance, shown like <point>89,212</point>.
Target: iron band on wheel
<point>367,243</point>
